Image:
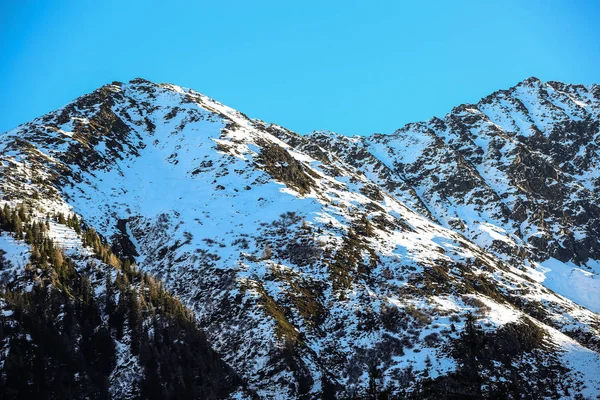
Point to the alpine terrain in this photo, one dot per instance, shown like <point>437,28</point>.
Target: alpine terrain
<point>155,243</point>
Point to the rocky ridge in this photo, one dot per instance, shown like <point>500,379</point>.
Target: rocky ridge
<point>455,257</point>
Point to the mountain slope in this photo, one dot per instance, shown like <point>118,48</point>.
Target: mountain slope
<point>333,266</point>
<point>517,173</point>
<point>78,322</point>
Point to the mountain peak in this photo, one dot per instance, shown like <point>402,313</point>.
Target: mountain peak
<point>444,259</point>
<point>531,81</point>
<point>139,80</point>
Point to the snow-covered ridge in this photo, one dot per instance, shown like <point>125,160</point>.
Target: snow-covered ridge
<point>520,168</point>
<point>324,263</point>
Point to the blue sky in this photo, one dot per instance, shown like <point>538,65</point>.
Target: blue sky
<point>351,67</point>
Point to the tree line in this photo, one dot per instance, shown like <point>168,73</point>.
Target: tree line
<point>64,323</point>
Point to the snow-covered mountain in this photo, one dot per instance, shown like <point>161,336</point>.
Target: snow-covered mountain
<point>457,257</point>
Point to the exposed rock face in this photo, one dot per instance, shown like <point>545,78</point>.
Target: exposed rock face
<point>457,256</point>
<point>524,159</point>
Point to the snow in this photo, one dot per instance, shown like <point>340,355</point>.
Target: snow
<point>16,251</point>
<point>494,233</point>
<point>128,371</point>
<point>499,314</point>
<point>572,282</point>
<point>67,239</point>
<point>410,146</point>
<point>192,187</point>
<point>584,362</point>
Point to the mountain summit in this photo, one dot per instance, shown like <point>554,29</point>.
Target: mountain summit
<point>453,258</point>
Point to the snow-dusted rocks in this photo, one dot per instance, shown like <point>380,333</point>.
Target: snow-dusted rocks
<point>452,257</point>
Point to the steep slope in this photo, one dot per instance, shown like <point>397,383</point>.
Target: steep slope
<point>77,322</point>
<point>328,266</point>
<point>517,173</point>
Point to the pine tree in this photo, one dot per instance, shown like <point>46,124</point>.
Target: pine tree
<point>135,322</point>
<point>76,225</point>
<point>22,212</point>
<point>57,258</point>
<point>35,255</point>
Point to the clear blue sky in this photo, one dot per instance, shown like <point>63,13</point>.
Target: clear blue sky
<point>351,67</point>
